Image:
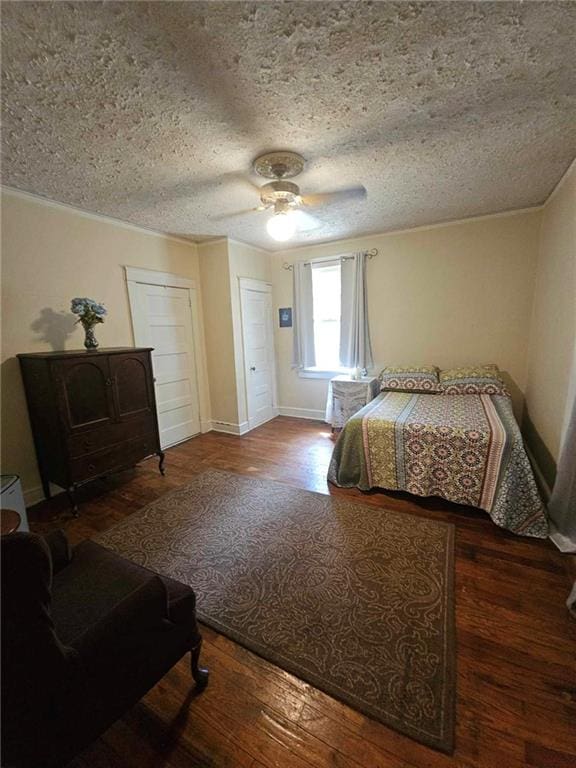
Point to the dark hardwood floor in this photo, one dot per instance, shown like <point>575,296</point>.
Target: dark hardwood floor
<point>516,643</point>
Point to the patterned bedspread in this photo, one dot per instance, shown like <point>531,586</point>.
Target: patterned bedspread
<point>464,448</point>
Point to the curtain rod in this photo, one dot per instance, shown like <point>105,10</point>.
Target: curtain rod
<point>370,254</point>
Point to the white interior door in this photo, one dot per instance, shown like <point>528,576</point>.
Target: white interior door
<point>163,320</point>
<point>257,330</point>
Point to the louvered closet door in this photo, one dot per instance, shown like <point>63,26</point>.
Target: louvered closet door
<point>165,316</point>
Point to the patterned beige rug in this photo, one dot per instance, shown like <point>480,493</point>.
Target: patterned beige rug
<point>355,600</point>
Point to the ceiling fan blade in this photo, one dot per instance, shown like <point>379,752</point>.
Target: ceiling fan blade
<point>243,178</point>
<point>235,214</point>
<point>338,196</point>
<point>305,222</point>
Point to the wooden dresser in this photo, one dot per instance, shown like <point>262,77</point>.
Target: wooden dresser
<point>92,413</point>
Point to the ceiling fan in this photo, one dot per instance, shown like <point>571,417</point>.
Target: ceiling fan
<point>283,197</point>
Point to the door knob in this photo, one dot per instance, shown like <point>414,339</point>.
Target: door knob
<point>252,367</point>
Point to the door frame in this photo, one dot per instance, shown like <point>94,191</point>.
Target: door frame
<point>137,276</point>
<point>261,286</point>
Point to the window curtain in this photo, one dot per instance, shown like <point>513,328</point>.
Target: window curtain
<point>304,355</point>
<point>355,346</point>
<point>562,505</point>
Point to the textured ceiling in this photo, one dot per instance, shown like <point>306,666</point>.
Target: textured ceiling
<point>153,112</point>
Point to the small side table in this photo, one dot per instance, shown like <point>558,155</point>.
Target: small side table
<point>9,520</point>
<point>346,396</point>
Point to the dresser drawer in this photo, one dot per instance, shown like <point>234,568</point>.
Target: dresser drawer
<point>109,435</point>
<point>113,458</point>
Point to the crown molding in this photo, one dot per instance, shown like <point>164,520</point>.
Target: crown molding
<point>249,245</point>
<point>235,240</point>
<point>571,169</point>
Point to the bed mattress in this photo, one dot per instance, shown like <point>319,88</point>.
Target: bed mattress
<point>464,448</point>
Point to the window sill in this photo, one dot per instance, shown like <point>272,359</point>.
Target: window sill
<point>319,373</point>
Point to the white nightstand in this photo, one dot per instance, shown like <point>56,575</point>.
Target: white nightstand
<point>346,396</point>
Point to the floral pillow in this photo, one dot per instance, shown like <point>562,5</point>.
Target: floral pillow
<point>473,380</point>
<point>411,378</point>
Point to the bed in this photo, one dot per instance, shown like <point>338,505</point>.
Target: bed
<point>464,448</point>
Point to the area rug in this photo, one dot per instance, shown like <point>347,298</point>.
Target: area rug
<point>355,600</point>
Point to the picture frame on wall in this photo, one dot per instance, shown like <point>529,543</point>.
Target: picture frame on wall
<point>285,317</point>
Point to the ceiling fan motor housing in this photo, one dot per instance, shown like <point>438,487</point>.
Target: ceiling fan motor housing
<point>275,192</point>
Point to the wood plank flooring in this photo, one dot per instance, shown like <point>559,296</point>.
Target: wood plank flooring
<point>516,643</point>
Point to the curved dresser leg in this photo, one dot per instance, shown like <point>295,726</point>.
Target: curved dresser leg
<point>71,493</point>
<point>200,674</point>
<point>161,457</point>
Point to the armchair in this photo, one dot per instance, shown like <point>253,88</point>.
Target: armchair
<point>85,635</point>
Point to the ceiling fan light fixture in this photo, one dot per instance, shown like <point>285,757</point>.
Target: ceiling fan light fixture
<point>281,226</point>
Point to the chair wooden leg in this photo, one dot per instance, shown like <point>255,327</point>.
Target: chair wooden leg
<point>200,674</point>
<point>71,493</point>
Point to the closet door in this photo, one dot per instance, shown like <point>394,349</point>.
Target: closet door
<point>85,393</point>
<point>258,337</point>
<point>162,319</point>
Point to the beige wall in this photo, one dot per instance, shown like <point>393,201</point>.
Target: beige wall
<point>215,281</point>
<point>553,327</point>
<point>454,294</point>
<point>222,263</point>
<point>50,254</point>
<point>451,294</point>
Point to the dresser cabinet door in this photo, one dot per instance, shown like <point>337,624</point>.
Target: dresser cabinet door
<point>85,393</point>
<point>132,386</point>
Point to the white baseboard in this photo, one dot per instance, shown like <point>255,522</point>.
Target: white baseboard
<point>540,479</point>
<point>254,424</point>
<point>230,428</point>
<point>302,413</point>
<point>35,494</point>
<point>205,426</point>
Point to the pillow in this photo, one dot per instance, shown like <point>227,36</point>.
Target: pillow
<point>473,380</point>
<point>410,378</point>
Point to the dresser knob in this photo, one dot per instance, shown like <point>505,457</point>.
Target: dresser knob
<point>91,467</point>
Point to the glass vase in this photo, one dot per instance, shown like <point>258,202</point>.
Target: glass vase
<point>90,341</point>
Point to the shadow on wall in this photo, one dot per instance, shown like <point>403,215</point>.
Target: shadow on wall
<point>54,327</point>
<point>539,450</point>
<point>515,393</point>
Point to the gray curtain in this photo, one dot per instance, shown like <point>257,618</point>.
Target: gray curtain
<point>562,505</point>
<point>304,355</point>
<point>355,347</point>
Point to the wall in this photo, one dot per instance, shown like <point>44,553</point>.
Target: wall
<point>50,254</point>
<point>215,281</point>
<point>222,263</point>
<point>451,294</point>
<point>553,329</point>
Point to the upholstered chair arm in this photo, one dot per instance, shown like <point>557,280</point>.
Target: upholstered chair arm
<point>60,552</point>
<point>142,610</point>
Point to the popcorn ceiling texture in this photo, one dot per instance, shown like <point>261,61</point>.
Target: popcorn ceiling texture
<point>153,112</point>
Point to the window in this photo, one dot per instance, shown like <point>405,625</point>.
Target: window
<point>326,300</point>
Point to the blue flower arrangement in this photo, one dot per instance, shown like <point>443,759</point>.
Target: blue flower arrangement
<point>89,313</point>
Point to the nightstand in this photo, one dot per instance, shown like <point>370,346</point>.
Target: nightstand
<point>346,396</point>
